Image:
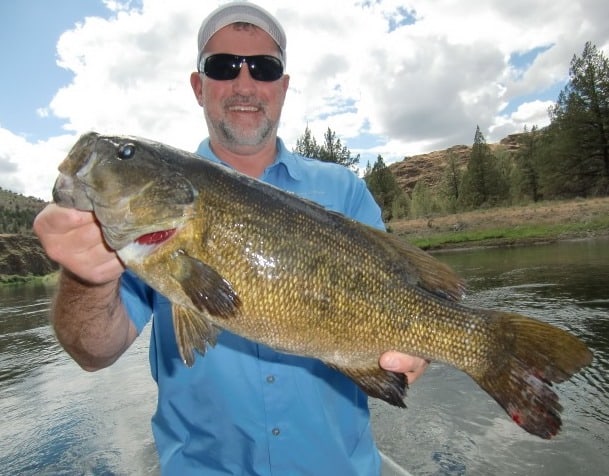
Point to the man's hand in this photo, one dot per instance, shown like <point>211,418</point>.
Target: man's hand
<point>74,239</point>
<point>87,314</point>
<point>412,367</point>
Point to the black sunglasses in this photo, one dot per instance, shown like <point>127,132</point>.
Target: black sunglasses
<point>223,66</point>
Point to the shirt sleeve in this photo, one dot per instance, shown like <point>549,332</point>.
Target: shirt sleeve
<point>137,298</point>
<point>362,206</point>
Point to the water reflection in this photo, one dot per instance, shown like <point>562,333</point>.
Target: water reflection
<point>58,419</point>
<point>452,427</point>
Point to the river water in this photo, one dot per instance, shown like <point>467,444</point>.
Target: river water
<point>60,420</point>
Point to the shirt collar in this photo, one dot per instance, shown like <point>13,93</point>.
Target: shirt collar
<point>286,159</point>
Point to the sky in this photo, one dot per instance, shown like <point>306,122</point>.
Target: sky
<point>390,78</point>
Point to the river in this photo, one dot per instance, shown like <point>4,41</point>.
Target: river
<point>58,419</point>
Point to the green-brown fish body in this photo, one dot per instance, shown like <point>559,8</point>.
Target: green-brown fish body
<point>231,252</point>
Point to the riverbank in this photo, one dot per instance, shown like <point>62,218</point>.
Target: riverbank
<point>23,259</point>
<point>509,226</point>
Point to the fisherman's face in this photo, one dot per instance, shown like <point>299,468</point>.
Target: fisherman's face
<point>242,114</point>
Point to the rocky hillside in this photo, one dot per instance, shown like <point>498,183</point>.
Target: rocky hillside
<point>20,253</point>
<point>15,201</point>
<point>430,167</point>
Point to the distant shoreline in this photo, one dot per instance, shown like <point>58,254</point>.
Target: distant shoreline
<point>539,223</point>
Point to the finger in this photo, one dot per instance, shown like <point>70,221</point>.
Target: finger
<point>54,219</point>
<point>413,367</point>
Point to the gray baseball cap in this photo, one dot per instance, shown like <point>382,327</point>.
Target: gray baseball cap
<point>234,12</point>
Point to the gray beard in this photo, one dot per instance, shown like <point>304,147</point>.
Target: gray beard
<point>238,137</point>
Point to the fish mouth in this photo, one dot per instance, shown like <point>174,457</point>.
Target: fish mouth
<point>69,193</point>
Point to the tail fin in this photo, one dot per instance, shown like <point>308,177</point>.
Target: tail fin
<point>532,356</point>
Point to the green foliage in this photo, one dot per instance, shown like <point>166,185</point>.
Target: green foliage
<point>17,212</point>
<point>331,149</point>
<point>450,185</point>
<point>513,234</point>
<point>400,207</point>
<point>422,203</point>
<point>16,220</point>
<point>306,145</point>
<point>384,187</point>
<point>576,161</point>
<point>485,181</point>
<point>527,174</point>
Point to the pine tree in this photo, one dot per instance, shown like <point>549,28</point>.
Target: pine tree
<point>331,150</point>
<point>450,187</point>
<point>385,189</point>
<point>579,165</point>
<point>484,181</point>
<point>306,145</point>
<point>528,182</point>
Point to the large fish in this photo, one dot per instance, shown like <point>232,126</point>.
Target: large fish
<point>231,252</point>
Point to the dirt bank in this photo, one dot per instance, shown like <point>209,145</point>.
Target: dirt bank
<point>22,255</point>
<point>569,219</point>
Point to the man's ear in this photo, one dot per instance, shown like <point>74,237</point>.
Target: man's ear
<point>196,82</point>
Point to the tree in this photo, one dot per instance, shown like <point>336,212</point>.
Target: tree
<point>450,186</point>
<point>422,203</point>
<point>331,149</point>
<point>528,181</point>
<point>580,129</point>
<point>385,189</point>
<point>483,181</point>
<point>306,145</point>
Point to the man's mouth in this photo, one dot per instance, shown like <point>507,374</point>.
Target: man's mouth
<point>244,109</point>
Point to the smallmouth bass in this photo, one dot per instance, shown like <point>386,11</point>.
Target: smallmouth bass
<point>231,252</point>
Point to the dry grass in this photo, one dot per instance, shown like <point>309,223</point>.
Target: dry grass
<point>498,226</point>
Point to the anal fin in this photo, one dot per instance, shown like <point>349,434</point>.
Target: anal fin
<point>378,383</point>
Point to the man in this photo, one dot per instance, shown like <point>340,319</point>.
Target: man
<point>242,408</point>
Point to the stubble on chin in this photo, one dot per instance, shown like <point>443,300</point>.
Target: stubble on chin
<point>234,135</point>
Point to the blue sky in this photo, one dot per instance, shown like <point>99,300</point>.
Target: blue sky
<point>389,77</point>
<point>30,79</point>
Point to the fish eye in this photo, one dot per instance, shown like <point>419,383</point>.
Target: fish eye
<point>126,151</point>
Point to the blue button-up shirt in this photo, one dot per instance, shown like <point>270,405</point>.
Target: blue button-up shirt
<point>244,409</point>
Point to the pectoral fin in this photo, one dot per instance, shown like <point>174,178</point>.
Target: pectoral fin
<point>193,332</point>
<point>205,287</point>
<point>379,383</point>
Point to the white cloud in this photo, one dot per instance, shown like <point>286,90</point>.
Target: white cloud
<point>416,88</point>
<point>31,168</point>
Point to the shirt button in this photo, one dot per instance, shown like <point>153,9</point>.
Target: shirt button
<point>276,431</point>
<point>270,379</point>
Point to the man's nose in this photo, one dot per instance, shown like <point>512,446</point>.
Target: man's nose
<point>244,80</point>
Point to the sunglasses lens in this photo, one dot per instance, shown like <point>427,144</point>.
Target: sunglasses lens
<point>222,67</point>
<point>265,68</point>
